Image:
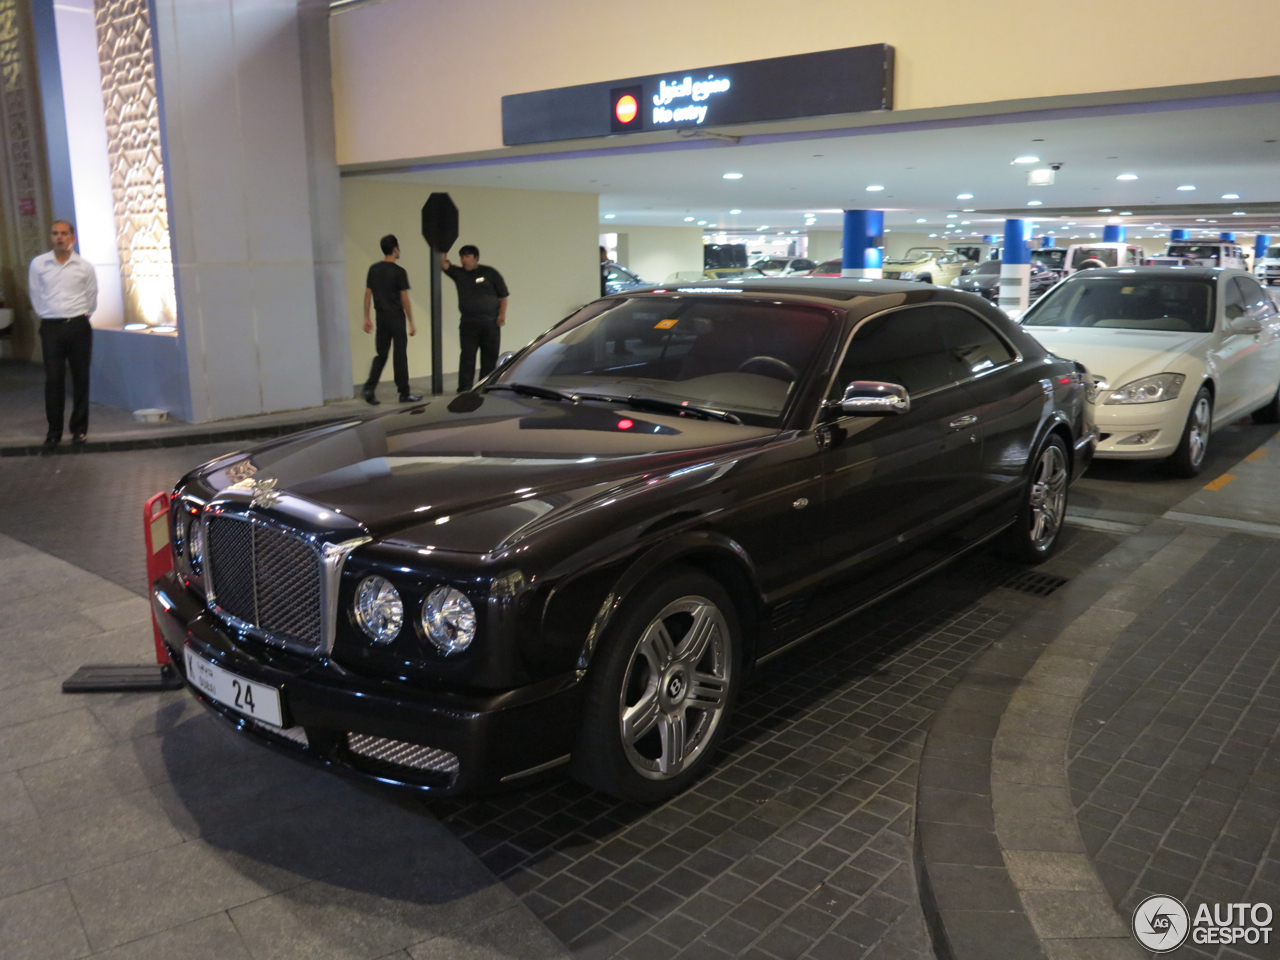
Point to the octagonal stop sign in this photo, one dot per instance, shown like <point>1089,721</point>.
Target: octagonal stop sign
<point>440,222</point>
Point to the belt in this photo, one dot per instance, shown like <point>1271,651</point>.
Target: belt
<point>83,316</point>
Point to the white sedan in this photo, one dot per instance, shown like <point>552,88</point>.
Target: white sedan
<point>1175,352</point>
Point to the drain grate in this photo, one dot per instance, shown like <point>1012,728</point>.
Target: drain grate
<point>1035,584</point>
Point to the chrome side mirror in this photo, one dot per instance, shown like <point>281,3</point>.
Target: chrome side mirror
<point>1245,325</point>
<point>872,398</point>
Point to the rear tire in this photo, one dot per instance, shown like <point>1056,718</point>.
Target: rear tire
<point>1194,446</point>
<point>661,689</point>
<point>1034,536</point>
<point>1271,412</point>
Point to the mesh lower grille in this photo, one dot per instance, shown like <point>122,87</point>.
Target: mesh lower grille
<point>267,578</point>
<point>400,754</point>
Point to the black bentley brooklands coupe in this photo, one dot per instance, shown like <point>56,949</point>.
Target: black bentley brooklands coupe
<point>577,564</point>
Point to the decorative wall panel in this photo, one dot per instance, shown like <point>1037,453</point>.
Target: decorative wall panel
<point>137,167</point>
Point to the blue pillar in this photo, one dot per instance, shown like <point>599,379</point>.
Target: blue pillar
<point>1226,235</point>
<point>1176,235</point>
<point>1260,244</point>
<point>1046,241</point>
<point>1015,268</point>
<point>863,230</point>
<point>1113,233</point>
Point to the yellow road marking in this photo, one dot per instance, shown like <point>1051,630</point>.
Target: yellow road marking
<point>1220,482</point>
<point>1256,455</point>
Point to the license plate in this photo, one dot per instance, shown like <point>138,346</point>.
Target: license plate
<point>252,699</point>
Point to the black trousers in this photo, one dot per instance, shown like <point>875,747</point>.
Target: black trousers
<point>66,343</point>
<point>386,335</point>
<point>477,333</point>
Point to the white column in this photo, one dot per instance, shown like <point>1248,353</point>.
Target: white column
<point>1015,286</point>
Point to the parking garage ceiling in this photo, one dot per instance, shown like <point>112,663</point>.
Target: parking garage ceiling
<point>1228,152</point>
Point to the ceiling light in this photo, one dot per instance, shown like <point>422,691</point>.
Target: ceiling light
<point>702,223</point>
<point>921,220</point>
<point>735,211</point>
<point>1186,186</point>
<point>688,219</point>
<point>1126,213</point>
<point>764,227</point>
<point>1127,176</point>
<point>874,188</point>
<point>732,176</point>
<point>1114,220</point>
<point>965,222</point>
<point>952,216</point>
<point>1231,196</point>
<point>1237,213</point>
<point>1104,209</point>
<point>1026,159</point>
<point>1199,219</point>
<point>610,216</point>
<point>967,210</point>
<point>795,231</point>
<point>1035,203</point>
<point>964,196</point>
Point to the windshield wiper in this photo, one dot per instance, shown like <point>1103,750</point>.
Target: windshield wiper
<point>529,390</point>
<point>665,406</point>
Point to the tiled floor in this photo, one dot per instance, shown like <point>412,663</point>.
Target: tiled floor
<point>1175,757</point>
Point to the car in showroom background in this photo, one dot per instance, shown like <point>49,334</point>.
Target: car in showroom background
<point>927,265</point>
<point>1178,351</point>
<point>985,281</point>
<point>577,564</point>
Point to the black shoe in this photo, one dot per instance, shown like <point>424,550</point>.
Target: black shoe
<point>51,443</point>
<point>409,398</point>
<point>79,440</point>
<point>369,396</point>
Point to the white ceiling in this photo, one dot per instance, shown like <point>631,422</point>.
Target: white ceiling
<point>1219,150</point>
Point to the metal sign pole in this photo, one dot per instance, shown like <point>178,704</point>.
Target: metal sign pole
<point>437,326</point>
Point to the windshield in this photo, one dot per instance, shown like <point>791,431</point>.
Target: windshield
<point>1126,304</point>
<point>1107,255</point>
<point>923,253</point>
<point>737,355</point>
<point>990,266</point>
<point>1053,259</point>
<point>1273,252</point>
<point>773,263</point>
<point>1200,251</point>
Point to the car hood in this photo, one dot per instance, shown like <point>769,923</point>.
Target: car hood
<point>468,473</point>
<point>1119,356</point>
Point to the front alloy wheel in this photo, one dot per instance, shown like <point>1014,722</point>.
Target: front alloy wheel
<point>1189,457</point>
<point>1034,535</point>
<point>660,689</point>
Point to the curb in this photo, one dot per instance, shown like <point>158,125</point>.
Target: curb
<point>991,822</point>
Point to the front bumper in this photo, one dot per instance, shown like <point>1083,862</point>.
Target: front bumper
<point>499,740</point>
<point>1119,423</point>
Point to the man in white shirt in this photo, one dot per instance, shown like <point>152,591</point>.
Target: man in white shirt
<point>64,293</point>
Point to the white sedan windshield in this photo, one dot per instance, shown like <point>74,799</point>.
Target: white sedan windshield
<point>1127,304</point>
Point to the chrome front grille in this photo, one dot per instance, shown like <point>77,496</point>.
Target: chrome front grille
<point>269,579</point>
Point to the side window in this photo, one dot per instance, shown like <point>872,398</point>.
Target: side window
<point>973,347</point>
<point>904,348</point>
<point>1233,305</point>
<point>1256,302</point>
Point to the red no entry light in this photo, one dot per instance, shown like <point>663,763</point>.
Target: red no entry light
<point>626,108</point>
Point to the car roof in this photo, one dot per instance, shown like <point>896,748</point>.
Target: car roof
<point>1171,273</point>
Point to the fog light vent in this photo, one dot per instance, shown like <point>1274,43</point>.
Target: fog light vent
<point>297,735</point>
<point>1036,584</point>
<point>400,754</point>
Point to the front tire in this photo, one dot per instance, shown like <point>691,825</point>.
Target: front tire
<point>1189,457</point>
<point>661,689</point>
<point>1034,536</point>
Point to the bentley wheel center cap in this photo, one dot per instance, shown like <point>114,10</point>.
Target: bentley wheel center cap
<point>676,686</point>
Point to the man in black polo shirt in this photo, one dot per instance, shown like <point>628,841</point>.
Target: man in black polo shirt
<point>387,288</point>
<point>482,301</point>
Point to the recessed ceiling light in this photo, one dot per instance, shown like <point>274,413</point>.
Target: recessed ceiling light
<point>921,220</point>
<point>735,211</point>
<point>952,216</point>
<point>795,231</point>
<point>1127,176</point>
<point>702,223</point>
<point>688,219</point>
<point>1126,213</point>
<point>732,176</point>
<point>1104,209</point>
<point>610,216</point>
<point>965,222</point>
<point>1187,186</point>
<point>1231,196</point>
<point>874,188</point>
<point>967,210</point>
<point>1035,203</point>
<point>764,227</point>
<point>1026,159</point>
<point>1237,213</point>
<point>964,196</point>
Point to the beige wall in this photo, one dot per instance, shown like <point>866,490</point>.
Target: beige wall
<point>413,79</point>
<point>542,242</point>
<point>656,252</point>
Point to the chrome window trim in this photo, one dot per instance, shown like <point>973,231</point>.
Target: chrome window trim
<point>330,557</point>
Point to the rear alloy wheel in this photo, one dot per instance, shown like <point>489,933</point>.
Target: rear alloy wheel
<point>661,690</point>
<point>1189,457</point>
<point>1034,536</point>
<point>1271,412</point>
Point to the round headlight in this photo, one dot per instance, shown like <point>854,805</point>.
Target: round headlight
<point>449,619</point>
<point>195,544</point>
<point>378,609</point>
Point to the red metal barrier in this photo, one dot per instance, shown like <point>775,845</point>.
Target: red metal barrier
<point>155,526</point>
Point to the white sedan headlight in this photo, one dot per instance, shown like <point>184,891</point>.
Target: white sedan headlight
<point>379,610</point>
<point>955,281</point>
<point>1162,386</point>
<point>449,619</point>
<point>907,275</point>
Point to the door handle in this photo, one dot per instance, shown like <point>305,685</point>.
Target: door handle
<point>968,420</point>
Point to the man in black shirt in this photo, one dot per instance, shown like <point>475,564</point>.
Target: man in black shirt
<point>387,288</point>
<point>482,301</point>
